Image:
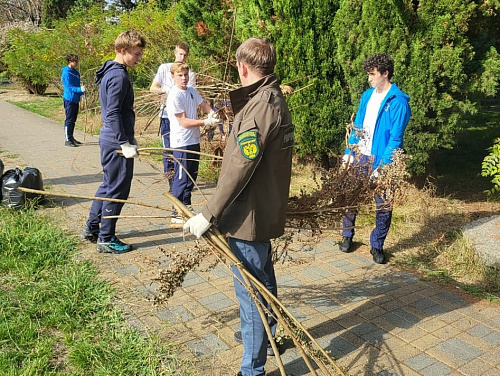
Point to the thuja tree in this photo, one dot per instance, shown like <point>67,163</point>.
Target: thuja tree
<point>303,36</point>
<point>208,27</point>
<point>436,63</point>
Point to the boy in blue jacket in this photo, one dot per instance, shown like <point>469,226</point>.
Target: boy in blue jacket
<point>116,96</point>
<point>73,90</point>
<point>379,126</point>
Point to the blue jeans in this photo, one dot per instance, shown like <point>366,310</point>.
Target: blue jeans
<point>256,257</point>
<point>71,111</point>
<point>383,217</point>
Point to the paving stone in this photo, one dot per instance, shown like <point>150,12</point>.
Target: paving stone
<point>436,369</point>
<point>316,273</point>
<point>216,302</point>
<point>343,265</point>
<point>493,338</point>
<point>452,299</point>
<point>175,315</point>
<point>192,279</point>
<point>476,367</point>
<point>459,349</point>
<point>420,362</point>
<point>479,331</point>
<point>323,304</point>
<point>127,270</point>
<point>387,373</point>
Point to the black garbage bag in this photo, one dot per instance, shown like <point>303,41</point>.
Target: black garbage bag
<point>1,173</point>
<point>28,178</point>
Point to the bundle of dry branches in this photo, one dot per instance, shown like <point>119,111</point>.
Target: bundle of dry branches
<point>346,188</point>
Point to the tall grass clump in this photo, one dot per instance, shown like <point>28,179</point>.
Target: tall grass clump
<point>56,316</point>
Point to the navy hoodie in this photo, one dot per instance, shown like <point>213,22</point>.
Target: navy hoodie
<point>116,96</point>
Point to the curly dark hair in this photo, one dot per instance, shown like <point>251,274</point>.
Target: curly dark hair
<point>72,57</point>
<point>382,62</point>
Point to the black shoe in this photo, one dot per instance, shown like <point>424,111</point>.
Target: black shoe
<point>239,339</point>
<point>89,235</point>
<point>76,142</point>
<point>70,144</point>
<point>239,374</point>
<point>378,255</point>
<point>345,244</point>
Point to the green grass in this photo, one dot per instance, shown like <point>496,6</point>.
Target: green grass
<point>47,106</point>
<point>56,316</point>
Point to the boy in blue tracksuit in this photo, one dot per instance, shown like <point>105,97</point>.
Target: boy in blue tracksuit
<point>73,90</point>
<point>379,126</point>
<point>116,96</point>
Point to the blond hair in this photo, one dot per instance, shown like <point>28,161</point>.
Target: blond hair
<point>128,40</point>
<point>177,67</point>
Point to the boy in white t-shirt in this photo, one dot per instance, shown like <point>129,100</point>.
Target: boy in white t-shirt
<point>182,105</point>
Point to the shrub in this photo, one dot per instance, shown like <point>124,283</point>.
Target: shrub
<point>491,167</point>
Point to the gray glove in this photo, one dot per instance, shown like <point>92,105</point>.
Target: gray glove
<point>197,225</point>
<point>82,88</point>
<point>129,151</point>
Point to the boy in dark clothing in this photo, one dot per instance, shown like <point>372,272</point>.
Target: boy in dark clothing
<point>73,91</point>
<point>116,96</point>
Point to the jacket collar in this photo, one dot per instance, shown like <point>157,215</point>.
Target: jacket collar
<point>240,97</point>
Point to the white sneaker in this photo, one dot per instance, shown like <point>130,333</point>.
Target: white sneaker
<point>177,220</point>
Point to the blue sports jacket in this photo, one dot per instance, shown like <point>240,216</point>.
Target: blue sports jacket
<point>393,117</point>
<point>116,96</point>
<point>70,78</point>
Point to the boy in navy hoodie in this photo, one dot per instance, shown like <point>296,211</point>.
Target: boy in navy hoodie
<point>116,96</point>
<point>73,90</point>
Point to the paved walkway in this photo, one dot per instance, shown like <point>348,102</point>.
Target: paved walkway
<point>376,319</point>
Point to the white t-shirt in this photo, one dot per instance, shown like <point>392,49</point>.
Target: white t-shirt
<point>164,78</point>
<point>179,101</point>
<point>371,114</point>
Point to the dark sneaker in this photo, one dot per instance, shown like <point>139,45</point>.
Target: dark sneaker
<point>76,142</point>
<point>113,246</point>
<point>70,144</point>
<point>378,255</point>
<point>345,244</point>
<point>89,235</point>
<point>239,339</point>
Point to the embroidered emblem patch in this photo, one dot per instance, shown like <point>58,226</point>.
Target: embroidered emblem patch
<point>249,146</point>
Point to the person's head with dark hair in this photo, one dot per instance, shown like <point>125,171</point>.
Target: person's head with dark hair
<point>72,58</point>
<point>258,54</point>
<point>181,52</point>
<point>382,62</point>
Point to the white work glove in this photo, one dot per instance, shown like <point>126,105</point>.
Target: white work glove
<point>129,151</point>
<point>82,88</point>
<point>374,176</point>
<point>347,159</point>
<point>212,119</point>
<point>197,225</point>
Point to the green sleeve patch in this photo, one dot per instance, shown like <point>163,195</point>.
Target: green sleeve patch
<point>248,143</point>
